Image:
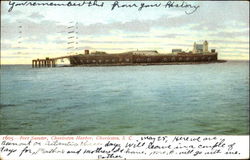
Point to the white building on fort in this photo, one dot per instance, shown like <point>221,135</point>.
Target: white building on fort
<point>200,48</point>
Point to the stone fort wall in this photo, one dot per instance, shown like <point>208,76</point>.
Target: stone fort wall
<point>117,59</point>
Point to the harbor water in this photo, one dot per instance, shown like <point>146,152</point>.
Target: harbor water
<point>204,99</point>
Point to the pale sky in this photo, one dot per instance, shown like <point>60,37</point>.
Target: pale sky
<point>31,32</point>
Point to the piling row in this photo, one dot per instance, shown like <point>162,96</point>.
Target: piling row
<point>44,63</point>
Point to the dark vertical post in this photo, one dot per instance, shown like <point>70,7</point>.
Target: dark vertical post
<point>32,63</point>
<point>53,63</point>
<point>35,63</point>
<point>39,63</point>
<point>48,63</point>
<point>42,63</point>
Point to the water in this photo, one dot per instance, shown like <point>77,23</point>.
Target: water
<point>172,99</point>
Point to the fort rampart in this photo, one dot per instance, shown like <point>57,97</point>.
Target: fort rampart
<point>133,59</point>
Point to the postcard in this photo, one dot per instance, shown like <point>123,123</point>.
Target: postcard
<point>124,79</point>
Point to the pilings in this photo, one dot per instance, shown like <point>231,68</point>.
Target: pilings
<point>43,63</point>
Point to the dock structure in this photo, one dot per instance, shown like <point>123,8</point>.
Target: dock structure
<point>48,62</point>
<point>44,62</point>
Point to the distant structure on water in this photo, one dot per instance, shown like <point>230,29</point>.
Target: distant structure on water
<point>200,54</point>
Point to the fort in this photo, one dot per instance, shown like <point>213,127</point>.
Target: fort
<point>199,54</point>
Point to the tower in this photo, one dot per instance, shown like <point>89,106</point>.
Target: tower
<point>205,46</point>
<point>194,49</point>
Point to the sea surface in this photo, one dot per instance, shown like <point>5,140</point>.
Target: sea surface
<point>204,99</point>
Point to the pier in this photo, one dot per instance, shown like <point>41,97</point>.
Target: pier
<point>44,63</point>
<point>47,62</point>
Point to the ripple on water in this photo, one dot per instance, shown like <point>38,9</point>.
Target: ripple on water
<point>7,105</point>
<point>124,127</point>
<point>26,124</point>
<point>80,130</point>
<point>231,131</point>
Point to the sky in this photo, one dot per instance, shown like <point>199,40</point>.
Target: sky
<point>31,32</point>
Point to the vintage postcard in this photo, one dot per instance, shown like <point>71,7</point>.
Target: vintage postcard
<point>127,68</point>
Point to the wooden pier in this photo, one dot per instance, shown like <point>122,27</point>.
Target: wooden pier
<point>47,62</point>
<point>44,63</point>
